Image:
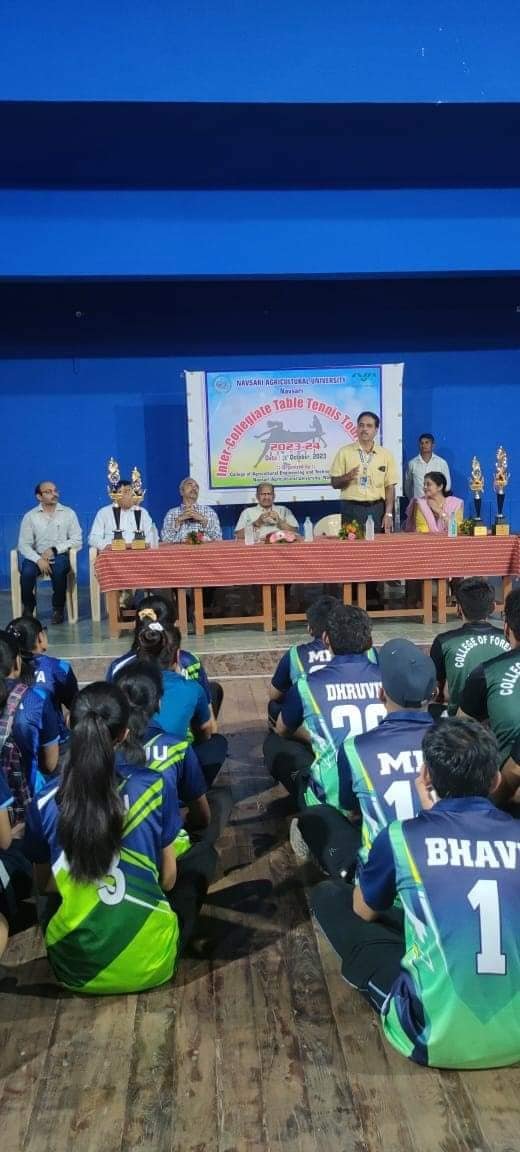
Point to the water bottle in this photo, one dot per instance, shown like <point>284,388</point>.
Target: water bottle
<point>452,526</point>
<point>249,534</point>
<point>369,528</point>
<point>308,531</point>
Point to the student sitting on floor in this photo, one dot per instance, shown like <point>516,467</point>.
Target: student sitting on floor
<point>157,608</point>
<point>101,841</point>
<point>319,711</point>
<point>54,674</point>
<point>377,770</point>
<point>302,659</point>
<point>184,710</point>
<point>146,743</point>
<point>28,725</point>
<point>448,990</point>
<point>458,651</point>
<point>15,872</point>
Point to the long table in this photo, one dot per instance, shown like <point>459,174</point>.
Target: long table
<point>228,563</point>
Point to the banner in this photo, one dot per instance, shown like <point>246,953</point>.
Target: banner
<point>283,426</point>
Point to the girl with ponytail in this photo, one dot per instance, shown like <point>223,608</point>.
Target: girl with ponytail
<point>33,729</point>
<point>101,840</point>
<point>46,671</point>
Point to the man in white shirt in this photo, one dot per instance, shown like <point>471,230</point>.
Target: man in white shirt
<point>46,534</point>
<point>426,461</point>
<point>124,515</point>
<point>265,516</point>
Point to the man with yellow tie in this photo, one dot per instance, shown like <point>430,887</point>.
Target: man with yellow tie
<point>366,475</point>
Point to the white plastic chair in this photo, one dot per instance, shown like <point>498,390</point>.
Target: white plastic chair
<point>72,586</point>
<point>328,525</point>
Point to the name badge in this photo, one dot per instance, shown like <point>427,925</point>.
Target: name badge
<point>363,481</point>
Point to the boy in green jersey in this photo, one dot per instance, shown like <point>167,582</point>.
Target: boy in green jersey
<point>458,651</point>
<point>492,691</point>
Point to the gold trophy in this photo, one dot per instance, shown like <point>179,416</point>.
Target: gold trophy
<point>476,484</point>
<point>114,479</point>
<point>139,540</point>
<point>500,482</point>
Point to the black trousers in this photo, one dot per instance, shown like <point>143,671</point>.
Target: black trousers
<point>211,754</point>
<point>332,839</point>
<point>220,800</point>
<point>195,871</point>
<point>360,510</point>
<point>370,953</point>
<point>288,762</point>
<point>217,695</point>
<point>29,573</point>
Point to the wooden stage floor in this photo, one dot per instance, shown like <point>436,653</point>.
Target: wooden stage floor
<point>258,1045</point>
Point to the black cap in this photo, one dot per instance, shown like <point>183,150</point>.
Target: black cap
<point>408,675</point>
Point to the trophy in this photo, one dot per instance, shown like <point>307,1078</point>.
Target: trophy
<point>114,478</point>
<point>476,484</point>
<point>139,540</point>
<point>138,494</point>
<point>500,482</point>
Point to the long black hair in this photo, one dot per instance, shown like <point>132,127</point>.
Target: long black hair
<point>9,653</point>
<point>141,684</point>
<point>25,631</point>
<point>90,824</point>
<point>150,609</point>
<point>159,643</point>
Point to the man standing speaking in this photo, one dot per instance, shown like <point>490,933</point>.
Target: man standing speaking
<point>366,476</point>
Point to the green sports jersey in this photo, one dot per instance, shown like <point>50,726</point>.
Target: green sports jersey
<point>492,692</point>
<point>457,652</point>
<point>119,934</point>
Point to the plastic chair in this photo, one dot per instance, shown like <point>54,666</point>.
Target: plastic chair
<point>71,599</point>
<point>95,591</point>
<point>328,525</point>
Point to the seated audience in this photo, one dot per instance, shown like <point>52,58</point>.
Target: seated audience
<point>29,726</point>
<point>125,515</point>
<point>377,769</point>
<point>206,812</point>
<point>302,659</point>
<point>190,516</point>
<point>265,516</point>
<point>184,710</point>
<point>319,711</point>
<point>492,690</point>
<point>458,651</point>
<point>433,511</point>
<point>47,533</point>
<point>150,609</point>
<point>101,842</point>
<point>448,988</point>
<point>54,674</point>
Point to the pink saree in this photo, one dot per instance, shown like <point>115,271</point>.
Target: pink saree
<point>452,504</point>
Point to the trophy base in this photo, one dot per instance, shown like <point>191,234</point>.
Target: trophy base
<point>118,545</point>
<point>138,544</point>
<point>480,530</point>
<point>500,528</point>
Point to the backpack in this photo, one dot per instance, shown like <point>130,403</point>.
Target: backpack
<point>11,757</point>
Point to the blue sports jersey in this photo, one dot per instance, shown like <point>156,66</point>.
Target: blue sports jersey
<point>35,726</point>
<point>339,699</point>
<point>189,664</point>
<point>183,701</point>
<point>377,772</point>
<point>456,869</point>
<point>300,660</point>
<point>163,751</point>
<point>59,680</point>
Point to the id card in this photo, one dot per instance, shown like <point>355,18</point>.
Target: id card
<point>363,481</point>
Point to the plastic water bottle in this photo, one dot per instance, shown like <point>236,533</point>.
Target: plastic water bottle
<point>452,526</point>
<point>369,528</point>
<point>249,534</point>
<point>308,531</point>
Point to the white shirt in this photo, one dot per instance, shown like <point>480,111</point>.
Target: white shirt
<point>39,531</point>
<point>250,516</point>
<point>416,471</point>
<point>104,526</point>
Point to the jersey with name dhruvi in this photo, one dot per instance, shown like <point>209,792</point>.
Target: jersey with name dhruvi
<point>377,772</point>
<point>339,699</point>
<point>119,934</point>
<point>456,868</point>
<point>58,678</point>
<point>456,653</point>
<point>492,692</point>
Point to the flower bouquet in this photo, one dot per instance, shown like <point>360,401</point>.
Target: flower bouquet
<point>466,527</point>
<point>351,531</point>
<point>195,537</point>
<point>280,537</point>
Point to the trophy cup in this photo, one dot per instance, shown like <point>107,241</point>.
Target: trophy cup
<point>139,540</point>
<point>500,482</point>
<point>114,477</point>
<point>476,484</point>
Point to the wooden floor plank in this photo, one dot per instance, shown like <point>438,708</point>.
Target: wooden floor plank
<point>195,1117</point>
<point>148,1117</point>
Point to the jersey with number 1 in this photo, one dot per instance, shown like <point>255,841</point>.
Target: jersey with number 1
<point>456,868</point>
<point>338,700</point>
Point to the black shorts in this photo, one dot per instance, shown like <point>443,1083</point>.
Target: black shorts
<point>15,883</point>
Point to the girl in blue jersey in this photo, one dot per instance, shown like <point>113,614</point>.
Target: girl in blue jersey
<point>34,726</point>
<point>49,672</point>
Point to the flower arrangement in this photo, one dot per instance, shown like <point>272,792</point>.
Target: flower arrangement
<point>351,531</point>
<point>281,537</point>
<point>195,537</point>
<point>466,527</point>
